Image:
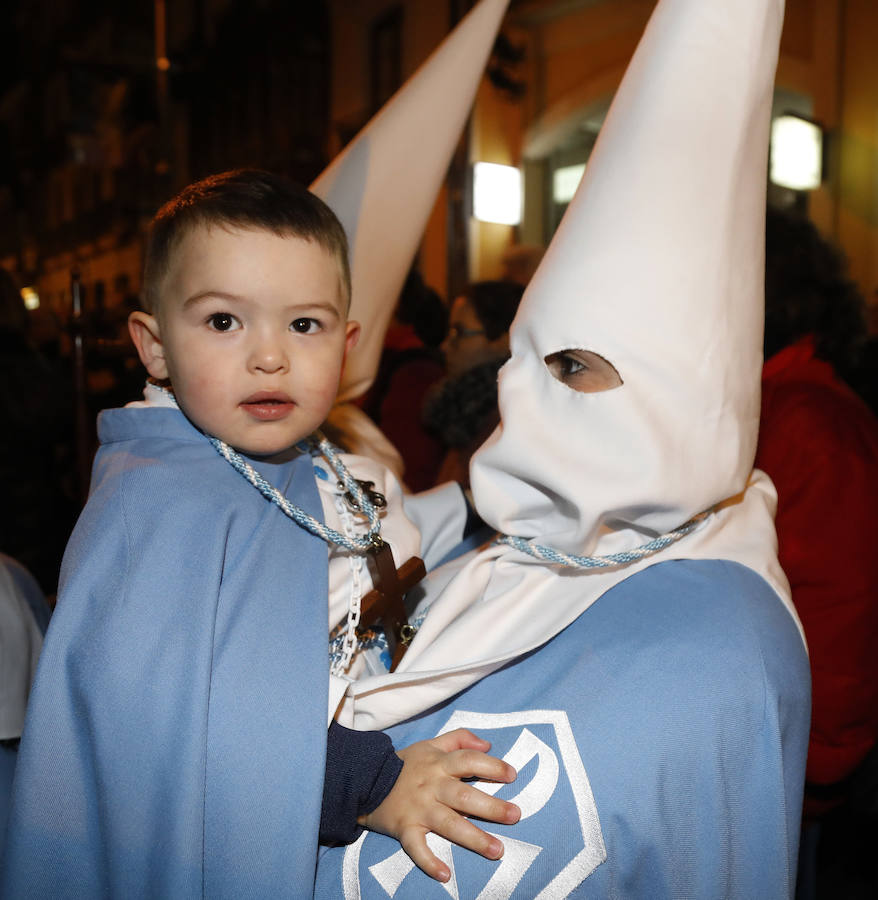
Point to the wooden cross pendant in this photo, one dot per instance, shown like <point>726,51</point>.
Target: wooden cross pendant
<point>385,600</point>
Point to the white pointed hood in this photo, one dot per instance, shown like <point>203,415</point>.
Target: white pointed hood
<point>385,182</point>
<point>657,267</point>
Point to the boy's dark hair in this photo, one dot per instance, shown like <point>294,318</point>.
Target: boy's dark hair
<point>242,198</point>
<point>495,304</point>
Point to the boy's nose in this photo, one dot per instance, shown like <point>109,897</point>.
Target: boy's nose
<point>268,355</point>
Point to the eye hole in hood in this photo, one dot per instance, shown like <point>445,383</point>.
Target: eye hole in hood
<point>583,371</point>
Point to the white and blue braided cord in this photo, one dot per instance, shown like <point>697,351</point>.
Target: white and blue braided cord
<point>344,641</point>
<point>317,442</point>
<point>548,554</point>
<point>354,543</point>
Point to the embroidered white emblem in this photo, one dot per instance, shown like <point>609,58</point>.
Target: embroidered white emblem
<point>541,791</point>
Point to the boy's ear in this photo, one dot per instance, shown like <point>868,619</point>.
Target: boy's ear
<point>352,335</point>
<point>147,337</point>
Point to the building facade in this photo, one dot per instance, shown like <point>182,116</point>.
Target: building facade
<point>104,114</point>
<point>111,109</point>
<point>551,82</point>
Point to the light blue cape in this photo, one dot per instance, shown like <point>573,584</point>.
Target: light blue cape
<point>175,738</point>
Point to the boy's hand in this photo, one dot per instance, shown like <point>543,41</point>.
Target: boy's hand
<point>429,796</point>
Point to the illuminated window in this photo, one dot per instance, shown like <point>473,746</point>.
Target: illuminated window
<point>31,298</point>
<point>496,193</point>
<point>796,153</point>
<point>565,181</point>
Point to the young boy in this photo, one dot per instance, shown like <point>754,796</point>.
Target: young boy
<point>175,740</point>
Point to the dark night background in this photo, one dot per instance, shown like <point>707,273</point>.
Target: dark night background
<point>80,88</point>
<point>94,136</point>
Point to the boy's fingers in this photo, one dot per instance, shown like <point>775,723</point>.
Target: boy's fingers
<point>462,832</point>
<point>460,739</point>
<point>472,802</point>
<point>471,763</point>
<point>414,842</point>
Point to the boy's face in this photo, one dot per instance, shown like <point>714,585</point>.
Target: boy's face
<point>252,332</point>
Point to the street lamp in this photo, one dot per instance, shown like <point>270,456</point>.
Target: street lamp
<point>496,193</point>
<point>796,153</point>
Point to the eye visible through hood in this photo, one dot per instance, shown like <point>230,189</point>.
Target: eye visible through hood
<point>583,371</point>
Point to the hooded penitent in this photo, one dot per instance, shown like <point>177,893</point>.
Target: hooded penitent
<point>384,184</point>
<point>658,268</point>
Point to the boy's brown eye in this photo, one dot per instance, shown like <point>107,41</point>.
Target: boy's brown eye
<point>222,322</point>
<point>305,326</point>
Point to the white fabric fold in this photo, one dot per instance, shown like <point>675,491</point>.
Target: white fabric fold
<point>385,182</point>
<point>498,604</point>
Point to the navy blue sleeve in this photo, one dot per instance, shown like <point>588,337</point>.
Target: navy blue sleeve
<point>361,768</point>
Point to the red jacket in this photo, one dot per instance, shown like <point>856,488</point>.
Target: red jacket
<point>819,443</point>
<point>407,372</point>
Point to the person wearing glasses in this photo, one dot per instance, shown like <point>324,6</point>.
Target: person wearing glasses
<point>462,410</point>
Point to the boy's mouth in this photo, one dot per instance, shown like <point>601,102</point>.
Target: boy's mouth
<point>268,405</point>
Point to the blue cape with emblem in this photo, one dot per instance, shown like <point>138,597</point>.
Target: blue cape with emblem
<point>660,742</point>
